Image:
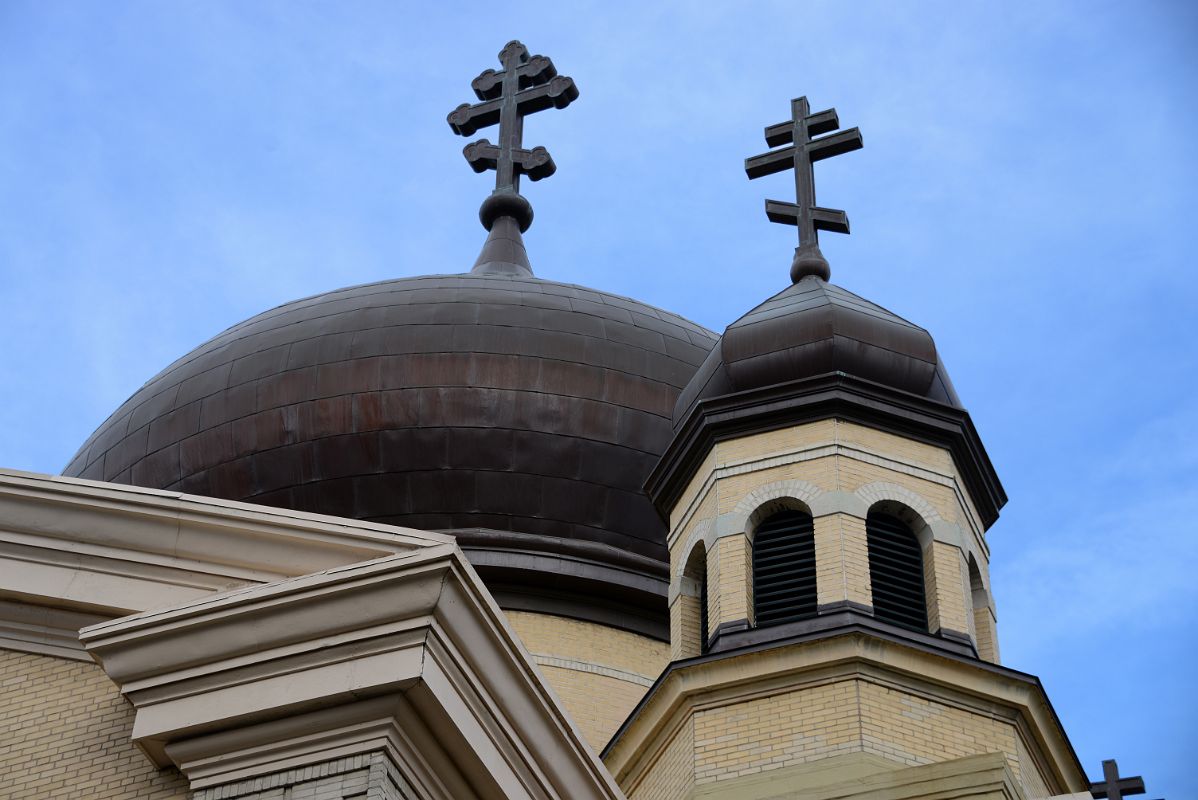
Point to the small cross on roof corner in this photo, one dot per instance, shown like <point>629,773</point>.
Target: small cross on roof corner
<point>800,152</point>
<point>1114,787</point>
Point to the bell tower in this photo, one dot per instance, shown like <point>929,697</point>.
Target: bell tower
<point>832,629</point>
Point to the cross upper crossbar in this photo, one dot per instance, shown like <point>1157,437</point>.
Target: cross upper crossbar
<point>525,85</point>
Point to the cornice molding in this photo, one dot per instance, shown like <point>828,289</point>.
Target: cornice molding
<point>73,546</point>
<point>834,395</point>
<point>349,660</point>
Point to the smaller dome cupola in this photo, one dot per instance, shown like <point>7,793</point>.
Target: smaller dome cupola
<point>801,454</point>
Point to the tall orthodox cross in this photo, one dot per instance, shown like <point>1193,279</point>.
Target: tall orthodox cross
<point>800,154</point>
<point>525,85</point>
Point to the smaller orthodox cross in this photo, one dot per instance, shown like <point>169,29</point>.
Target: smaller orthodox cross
<point>1114,787</point>
<point>524,86</point>
<point>801,152</point>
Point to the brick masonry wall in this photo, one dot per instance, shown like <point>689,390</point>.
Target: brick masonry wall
<point>599,673</point>
<point>985,626</point>
<point>867,459</point>
<point>789,728</point>
<point>948,584</point>
<point>673,774</point>
<point>841,560</point>
<point>370,776</point>
<point>64,732</point>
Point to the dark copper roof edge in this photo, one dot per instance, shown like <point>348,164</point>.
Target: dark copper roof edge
<point>847,624</point>
<point>832,395</point>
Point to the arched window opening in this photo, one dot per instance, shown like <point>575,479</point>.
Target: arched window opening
<point>695,591</point>
<point>784,568</point>
<point>896,571</point>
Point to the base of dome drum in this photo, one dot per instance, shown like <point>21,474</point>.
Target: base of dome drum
<point>570,578</point>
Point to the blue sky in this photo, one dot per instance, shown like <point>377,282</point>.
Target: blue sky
<point>1026,192</point>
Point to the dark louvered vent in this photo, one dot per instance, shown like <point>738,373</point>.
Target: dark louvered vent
<point>896,572</point>
<point>784,568</point>
<point>704,634</point>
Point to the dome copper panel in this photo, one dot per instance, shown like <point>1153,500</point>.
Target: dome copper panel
<point>463,401</point>
<point>815,328</point>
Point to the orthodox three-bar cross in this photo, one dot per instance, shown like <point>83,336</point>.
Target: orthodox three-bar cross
<point>524,86</point>
<point>801,152</point>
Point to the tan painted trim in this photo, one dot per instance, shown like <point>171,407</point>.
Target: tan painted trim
<point>71,545</point>
<point>345,661</point>
<point>36,629</point>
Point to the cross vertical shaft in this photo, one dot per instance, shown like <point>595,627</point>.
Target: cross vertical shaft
<point>804,174</point>
<point>511,124</point>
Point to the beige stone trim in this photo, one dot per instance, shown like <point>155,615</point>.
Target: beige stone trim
<point>75,546</point>
<point>594,669</point>
<point>824,449</point>
<point>406,654</point>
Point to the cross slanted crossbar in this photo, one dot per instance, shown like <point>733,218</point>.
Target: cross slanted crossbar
<point>799,151</point>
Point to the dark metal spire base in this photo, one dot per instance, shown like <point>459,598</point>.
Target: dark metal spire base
<point>503,253</point>
<point>505,204</point>
<point>809,260</point>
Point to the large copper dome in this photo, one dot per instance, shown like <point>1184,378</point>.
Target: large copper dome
<point>448,402</point>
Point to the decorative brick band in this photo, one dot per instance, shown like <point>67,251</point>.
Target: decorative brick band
<point>594,669</point>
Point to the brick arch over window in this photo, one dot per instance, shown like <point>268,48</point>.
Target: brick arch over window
<point>872,494</point>
<point>703,533</point>
<point>765,500</point>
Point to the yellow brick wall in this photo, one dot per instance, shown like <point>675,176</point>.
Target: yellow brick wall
<point>987,640</point>
<point>841,560</point>
<point>591,688</point>
<point>913,730</point>
<point>946,585</point>
<point>734,586</point>
<point>787,728</point>
<point>64,732</point>
<point>840,543</point>
<point>776,731</point>
<point>786,440</point>
<point>1034,785</point>
<point>672,775</point>
<point>685,641</point>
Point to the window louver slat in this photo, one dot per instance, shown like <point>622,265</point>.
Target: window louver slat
<point>784,568</point>
<point>896,572</point>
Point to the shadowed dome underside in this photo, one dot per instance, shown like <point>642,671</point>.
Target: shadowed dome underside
<point>463,401</point>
